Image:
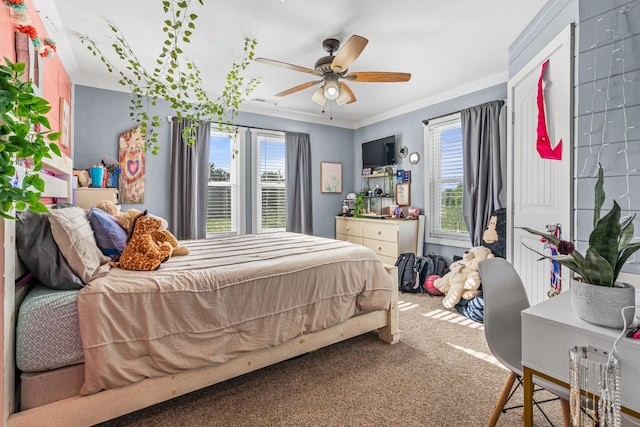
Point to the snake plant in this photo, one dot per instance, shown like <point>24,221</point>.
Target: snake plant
<point>610,244</point>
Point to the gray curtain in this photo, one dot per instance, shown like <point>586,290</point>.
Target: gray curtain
<point>298,183</point>
<point>481,148</point>
<point>189,181</point>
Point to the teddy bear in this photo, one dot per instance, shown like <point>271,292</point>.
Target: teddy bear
<point>463,278</point>
<point>142,253</point>
<point>126,221</point>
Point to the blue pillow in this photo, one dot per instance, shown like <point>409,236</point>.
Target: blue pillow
<point>110,236</point>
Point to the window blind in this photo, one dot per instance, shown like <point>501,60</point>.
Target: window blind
<point>222,197</point>
<point>271,201</point>
<point>447,174</point>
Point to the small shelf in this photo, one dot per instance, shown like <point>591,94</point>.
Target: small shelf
<point>376,175</point>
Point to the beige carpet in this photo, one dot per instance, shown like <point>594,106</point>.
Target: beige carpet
<point>440,374</point>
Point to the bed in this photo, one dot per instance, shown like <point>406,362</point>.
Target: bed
<point>231,306</point>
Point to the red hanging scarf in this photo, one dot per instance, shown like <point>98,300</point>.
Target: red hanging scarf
<point>543,144</point>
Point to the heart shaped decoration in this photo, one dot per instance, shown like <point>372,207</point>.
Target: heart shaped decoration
<point>133,166</point>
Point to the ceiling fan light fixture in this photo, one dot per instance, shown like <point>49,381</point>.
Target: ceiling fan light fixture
<point>343,97</point>
<point>331,90</point>
<point>318,96</point>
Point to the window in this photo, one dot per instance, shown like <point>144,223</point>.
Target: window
<point>270,195</point>
<point>224,192</point>
<point>443,145</point>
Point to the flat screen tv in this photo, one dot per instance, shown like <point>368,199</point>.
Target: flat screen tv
<point>381,152</point>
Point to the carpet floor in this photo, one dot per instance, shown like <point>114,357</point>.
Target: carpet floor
<point>441,373</point>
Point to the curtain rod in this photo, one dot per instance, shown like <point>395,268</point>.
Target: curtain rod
<point>169,119</point>
<point>426,122</point>
<point>258,128</point>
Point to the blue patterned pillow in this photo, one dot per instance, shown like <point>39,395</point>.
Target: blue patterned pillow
<point>110,236</point>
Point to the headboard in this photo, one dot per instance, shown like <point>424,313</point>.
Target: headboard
<point>57,174</point>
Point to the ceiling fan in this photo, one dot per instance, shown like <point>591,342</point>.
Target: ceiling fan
<point>333,70</point>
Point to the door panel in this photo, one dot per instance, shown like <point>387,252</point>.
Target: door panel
<point>540,190</point>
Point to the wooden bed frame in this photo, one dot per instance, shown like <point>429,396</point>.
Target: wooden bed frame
<point>92,409</point>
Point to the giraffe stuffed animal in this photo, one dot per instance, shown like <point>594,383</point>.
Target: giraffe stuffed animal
<point>142,253</point>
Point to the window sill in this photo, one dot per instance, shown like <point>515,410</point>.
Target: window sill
<point>458,243</point>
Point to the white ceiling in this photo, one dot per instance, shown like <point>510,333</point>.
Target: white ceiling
<point>450,47</point>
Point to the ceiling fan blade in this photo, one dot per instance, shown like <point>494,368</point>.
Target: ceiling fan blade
<point>298,88</point>
<point>377,76</point>
<point>288,66</point>
<point>348,53</point>
<point>352,97</point>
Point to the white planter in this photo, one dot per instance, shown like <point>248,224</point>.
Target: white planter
<point>602,305</point>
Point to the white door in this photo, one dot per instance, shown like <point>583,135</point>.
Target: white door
<point>540,190</point>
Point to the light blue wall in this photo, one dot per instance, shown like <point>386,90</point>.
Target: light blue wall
<point>100,116</point>
<point>409,131</point>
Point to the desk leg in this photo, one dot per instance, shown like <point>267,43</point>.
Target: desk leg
<point>528,397</point>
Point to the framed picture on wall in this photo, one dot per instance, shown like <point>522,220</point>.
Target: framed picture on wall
<point>407,176</point>
<point>403,194</point>
<point>330,177</point>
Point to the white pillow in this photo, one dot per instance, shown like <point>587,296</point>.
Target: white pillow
<point>74,236</point>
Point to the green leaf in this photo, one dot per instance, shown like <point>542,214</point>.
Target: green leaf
<point>625,253</point>
<point>54,147</point>
<point>54,136</point>
<point>38,207</point>
<point>548,237</point>
<point>599,195</point>
<point>598,270</point>
<point>604,237</point>
<point>626,233</point>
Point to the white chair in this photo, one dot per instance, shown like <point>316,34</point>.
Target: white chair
<point>504,299</point>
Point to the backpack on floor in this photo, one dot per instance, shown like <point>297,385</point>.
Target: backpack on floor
<point>407,273</point>
<point>440,264</point>
<point>424,268</point>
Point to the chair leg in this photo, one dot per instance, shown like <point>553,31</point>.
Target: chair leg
<point>502,399</point>
<point>566,413</point>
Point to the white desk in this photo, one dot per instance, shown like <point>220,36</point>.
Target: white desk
<point>550,329</point>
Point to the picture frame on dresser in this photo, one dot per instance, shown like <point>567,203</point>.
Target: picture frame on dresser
<point>403,194</point>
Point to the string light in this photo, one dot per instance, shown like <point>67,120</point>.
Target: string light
<point>596,148</point>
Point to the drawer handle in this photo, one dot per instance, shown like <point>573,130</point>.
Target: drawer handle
<point>348,228</point>
<point>379,232</point>
<point>379,248</point>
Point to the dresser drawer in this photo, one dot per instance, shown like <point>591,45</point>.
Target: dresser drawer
<point>390,261</point>
<point>351,239</point>
<point>352,228</point>
<point>386,232</point>
<point>380,247</point>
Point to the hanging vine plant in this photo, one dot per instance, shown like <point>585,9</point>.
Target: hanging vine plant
<point>176,80</point>
<point>24,131</point>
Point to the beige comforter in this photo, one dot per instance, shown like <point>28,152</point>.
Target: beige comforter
<point>228,296</point>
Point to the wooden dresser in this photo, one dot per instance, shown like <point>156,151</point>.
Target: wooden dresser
<point>388,238</point>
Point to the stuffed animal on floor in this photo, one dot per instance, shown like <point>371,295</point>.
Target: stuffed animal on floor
<point>126,220</point>
<point>463,278</point>
<point>142,253</point>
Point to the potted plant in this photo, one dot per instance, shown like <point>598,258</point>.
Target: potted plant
<point>22,118</point>
<point>597,271</point>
